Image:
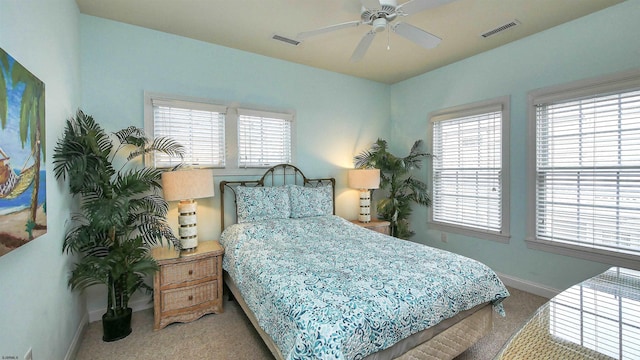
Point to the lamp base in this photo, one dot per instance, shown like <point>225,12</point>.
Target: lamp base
<point>365,206</point>
<point>188,244</point>
<point>188,228</point>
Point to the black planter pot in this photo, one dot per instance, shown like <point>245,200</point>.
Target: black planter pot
<point>117,327</point>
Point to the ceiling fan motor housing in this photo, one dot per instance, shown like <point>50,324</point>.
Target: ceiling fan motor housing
<point>379,18</point>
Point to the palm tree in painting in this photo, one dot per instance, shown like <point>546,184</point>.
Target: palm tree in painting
<point>31,122</point>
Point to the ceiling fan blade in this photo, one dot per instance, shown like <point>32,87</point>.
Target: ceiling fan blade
<point>307,34</point>
<point>371,4</point>
<point>363,46</point>
<point>415,6</point>
<point>416,35</point>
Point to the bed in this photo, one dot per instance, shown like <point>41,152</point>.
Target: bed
<point>316,286</point>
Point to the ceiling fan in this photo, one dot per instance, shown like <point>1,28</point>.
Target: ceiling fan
<point>381,15</point>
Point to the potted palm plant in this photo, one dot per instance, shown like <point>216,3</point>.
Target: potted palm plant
<point>395,177</point>
<point>121,212</point>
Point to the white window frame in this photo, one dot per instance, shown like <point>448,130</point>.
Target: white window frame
<point>194,114</point>
<point>617,83</point>
<point>231,129</point>
<point>275,122</point>
<point>499,104</point>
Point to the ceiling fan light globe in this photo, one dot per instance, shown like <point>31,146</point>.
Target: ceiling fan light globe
<point>379,24</point>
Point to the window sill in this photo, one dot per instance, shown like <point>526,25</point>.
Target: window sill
<point>501,238</point>
<point>218,171</point>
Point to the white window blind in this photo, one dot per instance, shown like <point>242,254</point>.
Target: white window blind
<point>467,170</point>
<point>264,139</point>
<point>199,127</point>
<point>588,172</point>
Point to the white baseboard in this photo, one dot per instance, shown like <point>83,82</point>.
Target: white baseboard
<point>77,338</point>
<point>531,287</point>
<point>135,305</point>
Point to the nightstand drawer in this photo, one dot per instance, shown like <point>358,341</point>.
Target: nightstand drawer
<point>189,296</point>
<point>189,271</point>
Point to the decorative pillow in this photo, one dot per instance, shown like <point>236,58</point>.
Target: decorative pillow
<point>310,201</point>
<point>262,203</point>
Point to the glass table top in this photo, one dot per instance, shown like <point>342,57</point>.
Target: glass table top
<point>596,319</point>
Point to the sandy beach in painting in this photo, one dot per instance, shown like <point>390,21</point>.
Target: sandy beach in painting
<point>12,229</point>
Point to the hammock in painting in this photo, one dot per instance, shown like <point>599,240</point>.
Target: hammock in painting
<point>12,185</point>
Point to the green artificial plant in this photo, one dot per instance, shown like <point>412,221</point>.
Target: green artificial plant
<point>121,211</point>
<point>395,177</point>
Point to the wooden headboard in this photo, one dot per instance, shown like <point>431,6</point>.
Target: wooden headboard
<point>278,175</point>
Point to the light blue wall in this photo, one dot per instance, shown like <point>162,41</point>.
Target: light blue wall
<point>37,309</point>
<point>336,115</point>
<point>599,44</point>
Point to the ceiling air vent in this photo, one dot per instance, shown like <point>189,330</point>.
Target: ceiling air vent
<point>501,28</point>
<point>286,40</point>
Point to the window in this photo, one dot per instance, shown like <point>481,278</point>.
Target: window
<point>470,170</point>
<point>199,127</point>
<point>264,139</point>
<point>227,138</point>
<point>586,170</point>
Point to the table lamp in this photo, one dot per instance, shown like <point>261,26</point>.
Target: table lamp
<point>364,180</point>
<point>185,186</point>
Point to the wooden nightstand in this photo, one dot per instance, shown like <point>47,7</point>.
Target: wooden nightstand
<point>380,226</point>
<point>188,285</point>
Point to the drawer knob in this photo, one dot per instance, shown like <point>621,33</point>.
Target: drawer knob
<point>190,272</point>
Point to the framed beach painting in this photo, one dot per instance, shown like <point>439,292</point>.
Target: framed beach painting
<point>22,155</point>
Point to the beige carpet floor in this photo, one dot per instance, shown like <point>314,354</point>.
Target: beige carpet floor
<point>231,336</point>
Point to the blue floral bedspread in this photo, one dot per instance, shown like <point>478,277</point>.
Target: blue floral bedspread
<point>324,288</point>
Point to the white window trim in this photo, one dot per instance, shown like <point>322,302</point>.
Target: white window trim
<point>231,128</point>
<point>285,117</point>
<point>583,88</point>
<point>467,110</point>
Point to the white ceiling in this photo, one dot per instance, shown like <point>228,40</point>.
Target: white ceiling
<point>250,24</point>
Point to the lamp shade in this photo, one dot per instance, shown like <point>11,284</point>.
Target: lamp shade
<point>187,184</point>
<point>364,178</point>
